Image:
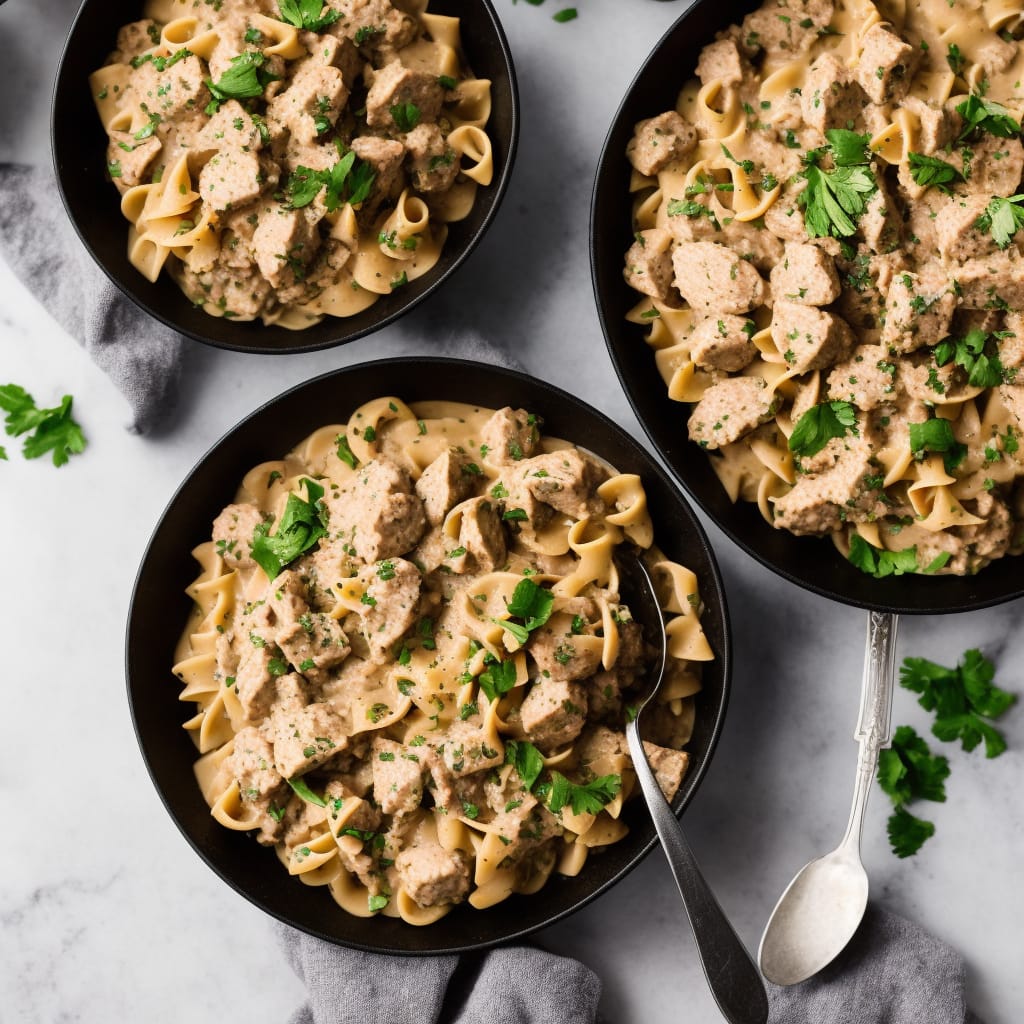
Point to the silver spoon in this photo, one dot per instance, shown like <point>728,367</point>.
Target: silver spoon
<point>728,968</point>
<point>821,908</point>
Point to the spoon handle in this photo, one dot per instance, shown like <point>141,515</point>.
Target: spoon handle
<point>731,975</point>
<point>874,724</point>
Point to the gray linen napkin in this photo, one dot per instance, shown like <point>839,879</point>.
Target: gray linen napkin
<point>893,972</point>
<point>141,356</point>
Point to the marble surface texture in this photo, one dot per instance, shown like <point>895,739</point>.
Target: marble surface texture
<point>105,912</point>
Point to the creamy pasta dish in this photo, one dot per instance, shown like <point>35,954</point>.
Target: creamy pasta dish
<point>829,230</point>
<point>411,665</point>
<point>291,159</point>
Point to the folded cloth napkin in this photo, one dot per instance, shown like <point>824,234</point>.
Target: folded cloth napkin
<point>893,972</point>
<point>141,356</point>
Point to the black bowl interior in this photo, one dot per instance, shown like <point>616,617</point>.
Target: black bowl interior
<point>809,562</point>
<point>93,204</point>
<point>159,609</point>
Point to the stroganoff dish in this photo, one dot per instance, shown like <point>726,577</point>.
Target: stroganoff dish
<point>828,242</point>
<point>411,664</point>
<point>295,159</point>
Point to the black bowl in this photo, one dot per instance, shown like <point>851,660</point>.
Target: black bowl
<point>809,562</point>
<point>93,204</point>
<point>159,609</point>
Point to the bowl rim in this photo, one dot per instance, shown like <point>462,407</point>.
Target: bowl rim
<point>495,196</point>
<point>712,590</point>
<point>895,594</point>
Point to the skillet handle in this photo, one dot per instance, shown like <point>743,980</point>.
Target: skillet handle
<point>734,980</point>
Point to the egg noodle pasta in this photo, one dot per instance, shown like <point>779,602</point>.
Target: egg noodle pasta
<point>410,664</point>
<point>829,227</point>
<point>268,159</point>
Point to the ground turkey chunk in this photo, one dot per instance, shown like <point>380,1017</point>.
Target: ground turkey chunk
<point>996,166</point>
<point>886,64</point>
<point>378,512</point>
<point>430,874</point>
<point>177,91</point>
<point>307,738</point>
<point>373,23</point>
<point>809,338</point>
<point>659,140</point>
<point>723,343</point>
<point>465,749</point>
<point>397,777</point>
<point>251,765</point>
<point>992,282</point>
<point>831,97</point>
<point>444,483</point>
<point>713,278</point>
<point>389,604</point>
<point>720,61</point>
<point>956,227</point>
<point>806,274</point>
<point>230,179</point>
<point>134,161</point>
<point>311,641</point>
<point>431,161</point>
<point>669,767</point>
<point>866,379</point>
<point>317,90</point>
<point>395,85</point>
<point>385,156</point>
<point>254,682</point>
<point>918,312</point>
<point>566,480</point>
<point>509,436</point>
<point>283,239</point>
<point>554,712</point>
<point>481,546</point>
<point>233,531</point>
<point>730,409</point>
<point>649,263</point>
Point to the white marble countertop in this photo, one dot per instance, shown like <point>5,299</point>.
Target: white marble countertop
<point>106,913</point>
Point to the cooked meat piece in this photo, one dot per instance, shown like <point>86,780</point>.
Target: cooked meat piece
<point>831,97</point>
<point>375,24</point>
<point>880,224</point>
<point>233,531</point>
<point>431,875</point>
<point>917,313</point>
<point>465,750</point>
<point>315,91</point>
<point>378,512</point>
<point>557,656</point>
<point>730,409</point>
<point>174,93</point>
<point>311,737</point>
<point>723,343</point>
<point>713,278</point>
<point>649,263</point>
<point>566,480</point>
<point>996,166</point>
<point>992,282</point>
<point>785,219</point>
<point>481,546</point>
<point>554,712</point>
<point>938,127</point>
<point>232,127</point>
<point>669,767</point>
<point>509,435</point>
<point>395,85</point>
<point>866,379</point>
<point>809,338</point>
<point>956,226</point>
<point>135,38</point>
<point>311,641</point>
<point>886,64</point>
<point>231,178</point>
<point>389,605</point>
<point>251,764</point>
<point>721,61</point>
<point>431,161</point>
<point>254,682</point>
<point>445,482</point>
<point>397,777</point>
<point>385,156</point>
<point>806,275</point>
<point>134,158</point>
<point>658,140</point>
<point>283,239</point>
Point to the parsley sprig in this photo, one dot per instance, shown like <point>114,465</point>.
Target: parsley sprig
<point>348,181</point>
<point>936,436</point>
<point>302,525</point>
<point>984,115</point>
<point>527,759</point>
<point>880,562</point>
<point>48,430</point>
<point>833,200</point>
<point>909,771</point>
<point>531,603</point>
<point>307,14</point>
<point>931,170</point>
<point>586,798</point>
<point>820,424</point>
<point>245,79</point>
<point>1003,217</point>
<point>971,352</point>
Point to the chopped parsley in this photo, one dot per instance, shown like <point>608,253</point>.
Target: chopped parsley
<point>833,200</point>
<point>936,435</point>
<point>348,181</point>
<point>301,789</point>
<point>819,425</point>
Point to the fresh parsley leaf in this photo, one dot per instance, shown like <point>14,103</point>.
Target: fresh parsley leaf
<point>907,833</point>
<point>406,116</point>
<point>306,14</point>
<point>49,430</point>
<point>347,181</point>
<point>936,435</point>
<point>345,452</point>
<point>962,698</point>
<point>910,771</point>
<point>955,59</point>
<point>498,679</point>
<point>588,798</point>
<point>1003,217</point>
<point>848,148</point>
<point>820,424</point>
<point>302,525</point>
<point>980,114</point>
<point>930,170</point>
<point>375,903</point>
<point>834,199</point>
<point>521,633</point>
<point>531,603</point>
<point>880,562</point>
<point>528,760</point>
<point>245,79</point>
<point>564,15</point>
<point>969,352</point>
<point>300,788</point>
